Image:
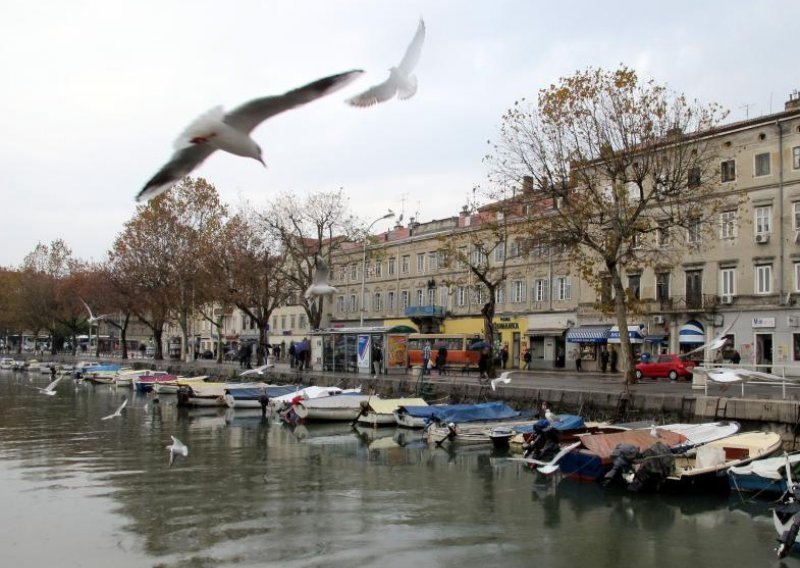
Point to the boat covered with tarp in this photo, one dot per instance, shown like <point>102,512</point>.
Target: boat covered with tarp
<point>251,396</point>
<point>419,416</point>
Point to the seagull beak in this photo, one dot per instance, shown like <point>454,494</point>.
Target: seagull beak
<point>260,159</point>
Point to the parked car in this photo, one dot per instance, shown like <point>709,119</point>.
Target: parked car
<point>666,365</point>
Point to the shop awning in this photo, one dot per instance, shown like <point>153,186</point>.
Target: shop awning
<point>549,332</point>
<point>588,334</point>
<point>635,333</point>
<point>691,332</point>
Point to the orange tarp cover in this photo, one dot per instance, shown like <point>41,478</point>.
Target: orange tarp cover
<point>604,444</point>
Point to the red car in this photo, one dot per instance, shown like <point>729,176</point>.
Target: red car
<point>667,365</point>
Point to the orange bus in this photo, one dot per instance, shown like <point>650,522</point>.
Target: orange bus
<point>457,344</point>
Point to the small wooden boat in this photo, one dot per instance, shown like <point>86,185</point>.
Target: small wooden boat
<point>765,477</point>
<point>380,412</point>
<point>171,386</point>
<point>147,381</point>
<point>283,402</point>
<point>250,396</point>
<point>409,416</point>
<point>102,375</point>
<point>329,408</point>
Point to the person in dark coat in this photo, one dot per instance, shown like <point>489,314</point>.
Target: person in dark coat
<point>483,363</point>
<point>377,360</point>
<point>735,357</point>
<point>441,360</point>
<point>504,356</point>
<point>292,353</point>
<point>612,358</point>
<point>578,360</point>
<point>604,359</point>
<point>527,358</point>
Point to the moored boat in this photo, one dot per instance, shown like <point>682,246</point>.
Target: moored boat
<point>765,477</point>
<point>380,412</point>
<point>409,416</point>
<point>339,407</point>
<point>250,396</point>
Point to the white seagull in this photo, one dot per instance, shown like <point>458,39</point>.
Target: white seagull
<point>504,377</point>
<point>258,370</point>
<point>177,448</point>
<point>217,130</point>
<point>549,415</point>
<point>734,375</point>
<point>717,343</point>
<point>93,319</point>
<point>320,285</point>
<point>400,81</point>
<point>50,389</point>
<point>118,411</point>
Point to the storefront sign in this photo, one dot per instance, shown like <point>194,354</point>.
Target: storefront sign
<point>363,352</point>
<point>506,325</point>
<point>763,322</point>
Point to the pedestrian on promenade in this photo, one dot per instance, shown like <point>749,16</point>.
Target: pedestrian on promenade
<point>292,353</point>
<point>504,356</point>
<point>426,358</point>
<point>527,358</point>
<point>483,363</point>
<point>735,357</point>
<point>612,358</point>
<point>377,360</point>
<point>441,360</point>
<point>578,361</point>
<point>604,359</point>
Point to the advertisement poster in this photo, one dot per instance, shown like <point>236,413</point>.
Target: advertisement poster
<point>363,351</point>
<point>396,351</point>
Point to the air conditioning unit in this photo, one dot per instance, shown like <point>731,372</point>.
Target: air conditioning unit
<point>726,299</point>
<point>762,238</point>
<point>658,319</point>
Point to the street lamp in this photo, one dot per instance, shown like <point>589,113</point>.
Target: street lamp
<point>389,215</point>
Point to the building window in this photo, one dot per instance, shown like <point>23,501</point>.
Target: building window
<point>283,322</point>
<point>539,248</point>
<point>420,296</point>
<point>353,305</point>
<point>390,301</point>
<point>433,261</point>
<point>292,320</point>
<point>728,170</point>
<point>443,292</point>
<point>499,252</point>
<point>797,276</point>
<point>391,265</point>
<point>404,299</point>
<point>693,177</point>
<point>275,322</point>
<point>763,220</point>
<point>762,164</point>
<point>727,220</point>
<point>354,271</point>
<point>378,269</point>
<point>540,290</point>
<point>478,294</point>
<point>796,346</point>
<point>405,264</point>
<point>635,285</point>
<point>727,281</point>
<point>377,302</point>
<point>479,258</point>
<point>796,158</point>
<point>764,279</point>
<point>694,231</point>
<point>563,288</point>
<point>461,296</point>
<point>662,236</point>
<point>431,296</point>
<point>303,324</point>
<point>662,286</point>
<point>518,291</point>
<point>421,263</point>
<point>500,294</point>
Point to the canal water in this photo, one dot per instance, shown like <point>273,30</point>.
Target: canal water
<point>77,491</point>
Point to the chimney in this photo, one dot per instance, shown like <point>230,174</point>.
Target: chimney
<point>794,101</point>
<point>527,184</point>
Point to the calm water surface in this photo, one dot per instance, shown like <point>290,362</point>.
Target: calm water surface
<point>78,491</point>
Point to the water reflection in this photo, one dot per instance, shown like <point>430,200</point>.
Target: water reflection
<point>254,492</point>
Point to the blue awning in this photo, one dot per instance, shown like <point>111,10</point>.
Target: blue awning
<point>635,333</point>
<point>588,334</point>
<point>692,332</point>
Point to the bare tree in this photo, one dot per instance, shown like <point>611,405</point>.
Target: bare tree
<point>620,161</point>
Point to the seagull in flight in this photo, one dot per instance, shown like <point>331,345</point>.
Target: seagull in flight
<point>118,411</point>
<point>321,282</point>
<point>505,377</point>
<point>93,319</point>
<point>50,389</point>
<point>218,130</point>
<point>718,342</point>
<point>177,448</point>
<point>401,81</point>
<point>257,371</point>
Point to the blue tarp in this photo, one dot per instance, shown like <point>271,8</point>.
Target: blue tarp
<point>253,393</point>
<point>565,422</point>
<point>459,413</point>
<point>102,368</point>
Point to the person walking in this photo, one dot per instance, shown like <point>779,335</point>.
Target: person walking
<point>527,358</point>
<point>604,359</point>
<point>292,354</point>
<point>441,360</point>
<point>735,357</point>
<point>377,360</point>
<point>612,358</point>
<point>578,361</point>
<point>504,356</point>
<point>426,358</point>
<point>483,363</point>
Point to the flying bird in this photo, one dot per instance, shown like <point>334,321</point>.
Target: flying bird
<point>93,319</point>
<point>217,130</point>
<point>177,448</point>
<point>320,285</point>
<point>717,343</point>
<point>258,370</point>
<point>400,81</point>
<point>50,389</point>
<point>118,411</point>
<point>504,377</point>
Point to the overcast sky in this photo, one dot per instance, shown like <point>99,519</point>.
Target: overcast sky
<point>95,92</point>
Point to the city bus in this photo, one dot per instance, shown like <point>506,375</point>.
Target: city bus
<point>459,355</point>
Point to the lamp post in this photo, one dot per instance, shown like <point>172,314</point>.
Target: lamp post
<point>389,215</point>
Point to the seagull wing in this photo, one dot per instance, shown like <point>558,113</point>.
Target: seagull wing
<point>88,309</point>
<point>122,406</point>
<point>717,343</point>
<point>249,115</point>
<point>375,94</point>
<point>180,164</point>
<point>322,274</point>
<point>52,386</point>
<point>411,57</point>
